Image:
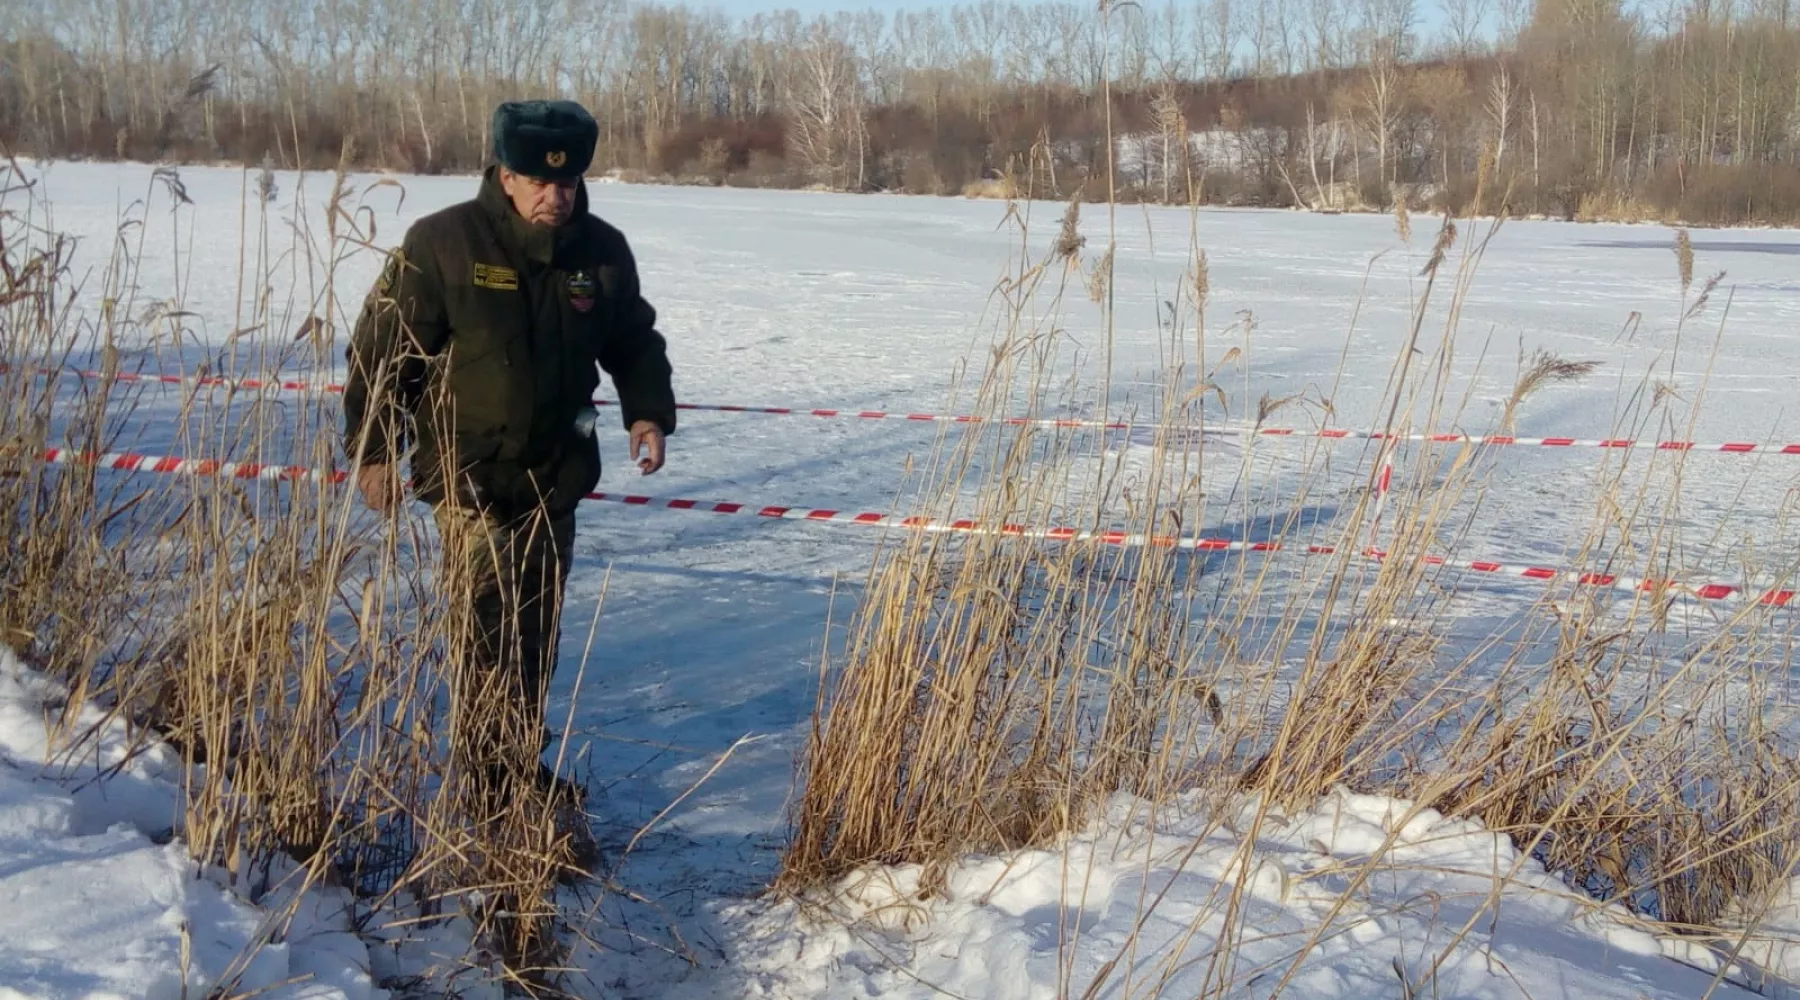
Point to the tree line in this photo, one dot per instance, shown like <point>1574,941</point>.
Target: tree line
<point>1681,109</point>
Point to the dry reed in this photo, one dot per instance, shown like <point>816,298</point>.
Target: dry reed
<point>994,689</point>
<point>293,647</point>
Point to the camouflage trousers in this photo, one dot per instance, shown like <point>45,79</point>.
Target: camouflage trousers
<point>505,581</point>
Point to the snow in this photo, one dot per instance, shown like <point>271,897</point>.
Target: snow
<point>1770,950</point>
<point>99,900</point>
<point>713,628</point>
<point>1343,900</point>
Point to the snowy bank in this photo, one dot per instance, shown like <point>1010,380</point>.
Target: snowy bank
<point>1360,896</point>
<point>100,899</point>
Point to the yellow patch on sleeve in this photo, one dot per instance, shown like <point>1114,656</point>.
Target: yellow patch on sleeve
<point>501,279</point>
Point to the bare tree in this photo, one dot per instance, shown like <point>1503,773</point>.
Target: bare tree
<point>1172,135</point>
<point>1131,47</point>
<point>1502,100</point>
<point>1219,32</point>
<point>1513,16</point>
<point>1325,31</point>
<point>1464,21</point>
<point>824,99</point>
<point>1388,29</point>
<point>1379,99</point>
<point>1606,94</point>
<point>1172,43</point>
<point>1323,142</point>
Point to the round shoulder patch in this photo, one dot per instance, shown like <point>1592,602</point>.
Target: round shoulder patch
<point>390,273</point>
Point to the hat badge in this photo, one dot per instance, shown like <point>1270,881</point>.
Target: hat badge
<point>556,158</point>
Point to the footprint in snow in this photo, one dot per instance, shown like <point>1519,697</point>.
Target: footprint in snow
<point>1047,926</point>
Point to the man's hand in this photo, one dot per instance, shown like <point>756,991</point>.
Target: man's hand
<point>379,486</point>
<point>646,435</point>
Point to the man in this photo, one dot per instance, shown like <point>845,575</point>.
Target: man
<point>479,344</point>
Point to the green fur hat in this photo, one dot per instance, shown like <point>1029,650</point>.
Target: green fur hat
<point>549,140</point>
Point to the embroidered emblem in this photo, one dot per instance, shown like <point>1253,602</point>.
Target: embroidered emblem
<point>500,279</point>
<point>581,290</point>
<point>556,158</point>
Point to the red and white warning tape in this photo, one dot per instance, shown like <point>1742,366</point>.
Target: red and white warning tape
<point>1709,592</point>
<point>941,418</point>
<point>126,461</point>
<point>1326,433</point>
<point>168,465</point>
<point>1502,440</point>
<point>203,381</point>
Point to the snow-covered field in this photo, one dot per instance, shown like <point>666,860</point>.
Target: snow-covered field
<point>713,627</point>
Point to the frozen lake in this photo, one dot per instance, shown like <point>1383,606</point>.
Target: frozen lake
<point>713,626</point>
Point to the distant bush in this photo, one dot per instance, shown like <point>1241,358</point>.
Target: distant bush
<point>993,187</point>
<point>1242,190</point>
<point>720,147</point>
<point>1458,196</point>
<point>1727,194</point>
<point>765,170</point>
<point>918,176</point>
<point>1618,205</point>
<point>1375,193</point>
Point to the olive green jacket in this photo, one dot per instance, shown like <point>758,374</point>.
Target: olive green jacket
<point>479,344</point>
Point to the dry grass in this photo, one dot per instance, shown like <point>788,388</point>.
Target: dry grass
<point>996,188</point>
<point>993,689</point>
<point>1611,205</point>
<point>291,645</point>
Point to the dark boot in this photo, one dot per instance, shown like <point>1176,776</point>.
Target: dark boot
<point>577,851</point>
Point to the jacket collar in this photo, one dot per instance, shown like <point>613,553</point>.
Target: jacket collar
<point>539,244</point>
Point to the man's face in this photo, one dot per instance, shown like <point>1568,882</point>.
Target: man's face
<point>539,202</point>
